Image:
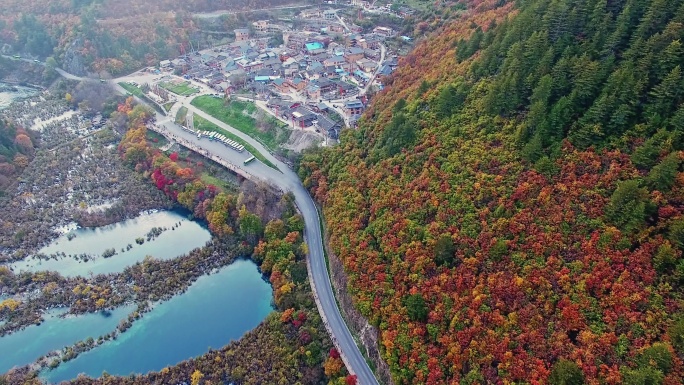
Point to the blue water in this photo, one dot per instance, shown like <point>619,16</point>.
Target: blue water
<point>215,310</point>
<point>25,346</point>
<point>94,241</point>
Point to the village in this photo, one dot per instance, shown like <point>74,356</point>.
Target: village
<point>319,78</point>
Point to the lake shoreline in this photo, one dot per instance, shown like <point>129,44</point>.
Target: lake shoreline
<point>65,184</point>
<point>69,236</point>
<point>225,277</point>
<point>258,223</point>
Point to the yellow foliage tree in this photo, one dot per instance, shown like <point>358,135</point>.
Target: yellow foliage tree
<point>286,288</point>
<point>196,377</point>
<point>332,366</point>
<point>50,287</point>
<point>304,248</point>
<point>10,304</point>
<point>21,160</point>
<point>287,315</point>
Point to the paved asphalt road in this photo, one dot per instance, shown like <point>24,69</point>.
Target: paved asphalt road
<point>289,181</point>
<point>285,180</point>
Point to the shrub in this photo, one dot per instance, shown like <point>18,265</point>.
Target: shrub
<point>566,372</point>
<point>657,356</point>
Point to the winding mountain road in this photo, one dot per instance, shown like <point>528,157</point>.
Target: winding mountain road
<point>285,180</point>
<point>67,75</point>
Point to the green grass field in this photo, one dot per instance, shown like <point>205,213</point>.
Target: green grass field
<point>167,106</point>
<point>132,89</point>
<point>156,140</point>
<point>183,89</point>
<point>237,114</point>
<point>221,184</point>
<point>181,114</point>
<point>205,125</point>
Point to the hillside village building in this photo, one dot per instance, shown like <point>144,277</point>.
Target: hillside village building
<point>312,64</point>
<point>241,34</point>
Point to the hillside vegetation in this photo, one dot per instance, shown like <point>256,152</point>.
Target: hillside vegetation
<point>16,150</point>
<point>108,35</point>
<point>511,209</point>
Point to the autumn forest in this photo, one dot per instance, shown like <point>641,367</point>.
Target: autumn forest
<point>509,210</point>
<point>109,37</point>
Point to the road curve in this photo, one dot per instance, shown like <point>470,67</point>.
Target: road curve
<point>67,75</point>
<point>289,181</point>
<point>285,180</point>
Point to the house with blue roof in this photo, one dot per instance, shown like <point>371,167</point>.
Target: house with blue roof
<point>361,75</point>
<point>313,91</point>
<point>230,65</point>
<point>316,65</point>
<point>385,70</point>
<point>314,47</point>
<point>329,126</point>
<point>353,107</point>
<point>298,83</point>
<point>281,85</point>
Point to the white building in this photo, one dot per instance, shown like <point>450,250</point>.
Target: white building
<point>329,14</point>
<point>384,31</point>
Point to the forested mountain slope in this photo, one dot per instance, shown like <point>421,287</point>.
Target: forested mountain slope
<point>108,35</point>
<point>512,207</point>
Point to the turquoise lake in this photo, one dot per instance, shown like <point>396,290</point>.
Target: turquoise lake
<point>94,241</point>
<point>215,310</point>
<point>27,345</point>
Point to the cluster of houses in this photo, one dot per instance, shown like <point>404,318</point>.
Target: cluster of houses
<point>311,114</point>
<point>323,60</point>
<point>306,57</point>
<point>401,11</point>
<point>314,114</point>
